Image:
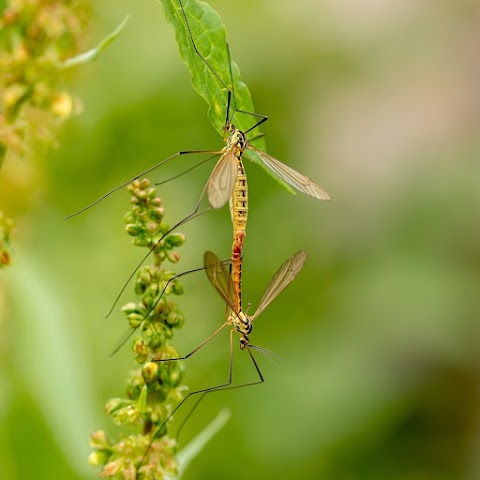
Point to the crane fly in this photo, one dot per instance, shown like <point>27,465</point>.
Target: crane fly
<point>220,278</point>
<point>239,321</point>
<point>224,182</point>
<point>220,184</point>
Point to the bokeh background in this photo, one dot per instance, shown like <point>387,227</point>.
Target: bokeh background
<point>379,102</point>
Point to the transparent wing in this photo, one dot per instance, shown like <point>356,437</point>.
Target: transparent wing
<point>222,180</point>
<point>284,276</point>
<point>219,277</point>
<point>124,338</point>
<point>291,176</point>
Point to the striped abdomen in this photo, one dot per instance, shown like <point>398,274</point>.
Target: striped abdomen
<point>239,212</point>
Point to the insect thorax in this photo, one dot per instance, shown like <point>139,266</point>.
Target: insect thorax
<point>242,323</point>
<point>237,141</point>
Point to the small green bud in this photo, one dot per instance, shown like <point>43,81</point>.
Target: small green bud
<point>176,239</point>
<point>144,277</point>
<point>111,469</point>
<point>139,288</point>
<point>97,458</point>
<point>144,184</point>
<point>154,289</point>
<point>164,228</point>
<point>152,227</point>
<point>141,241</point>
<point>174,257</point>
<point>130,307</point>
<point>180,319</point>
<point>141,194</point>
<point>168,351</point>
<point>171,374</point>
<point>147,332</point>
<point>158,250</point>
<point>134,390</point>
<point>135,319</point>
<point>128,414</point>
<point>115,404</point>
<point>150,372</point>
<point>133,229</point>
<point>159,307</point>
<point>157,339</point>
<point>177,288</point>
<point>131,187</point>
<point>129,217</point>
<point>140,348</point>
<point>176,376</point>
<point>148,299</point>
<point>159,253</point>
<point>172,319</point>
<point>157,213</point>
<point>98,439</point>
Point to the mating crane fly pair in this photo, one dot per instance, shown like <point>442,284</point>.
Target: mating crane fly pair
<point>228,181</point>
<point>228,171</point>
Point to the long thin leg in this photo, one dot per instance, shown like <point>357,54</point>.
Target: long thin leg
<point>137,177</point>
<point>263,118</point>
<point>231,387</point>
<point>128,333</point>
<point>224,386</point>
<point>190,216</point>
<point>229,93</point>
<point>188,170</point>
<point>196,349</point>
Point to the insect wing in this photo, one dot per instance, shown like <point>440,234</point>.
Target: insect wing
<point>291,176</point>
<point>221,183</point>
<point>124,338</point>
<point>219,277</point>
<point>284,276</point>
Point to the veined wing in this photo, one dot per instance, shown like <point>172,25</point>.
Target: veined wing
<point>291,176</point>
<point>124,338</point>
<point>284,276</point>
<point>221,182</point>
<point>219,277</point>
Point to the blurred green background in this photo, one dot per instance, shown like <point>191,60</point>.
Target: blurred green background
<point>377,101</point>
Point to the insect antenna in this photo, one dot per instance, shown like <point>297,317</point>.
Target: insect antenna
<point>229,92</point>
<point>136,177</point>
<point>272,356</point>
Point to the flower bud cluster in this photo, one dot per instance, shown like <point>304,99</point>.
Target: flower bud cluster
<point>37,36</point>
<point>154,389</point>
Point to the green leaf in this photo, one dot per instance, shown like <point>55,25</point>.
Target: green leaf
<point>92,54</point>
<point>209,35</point>
<point>200,441</point>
